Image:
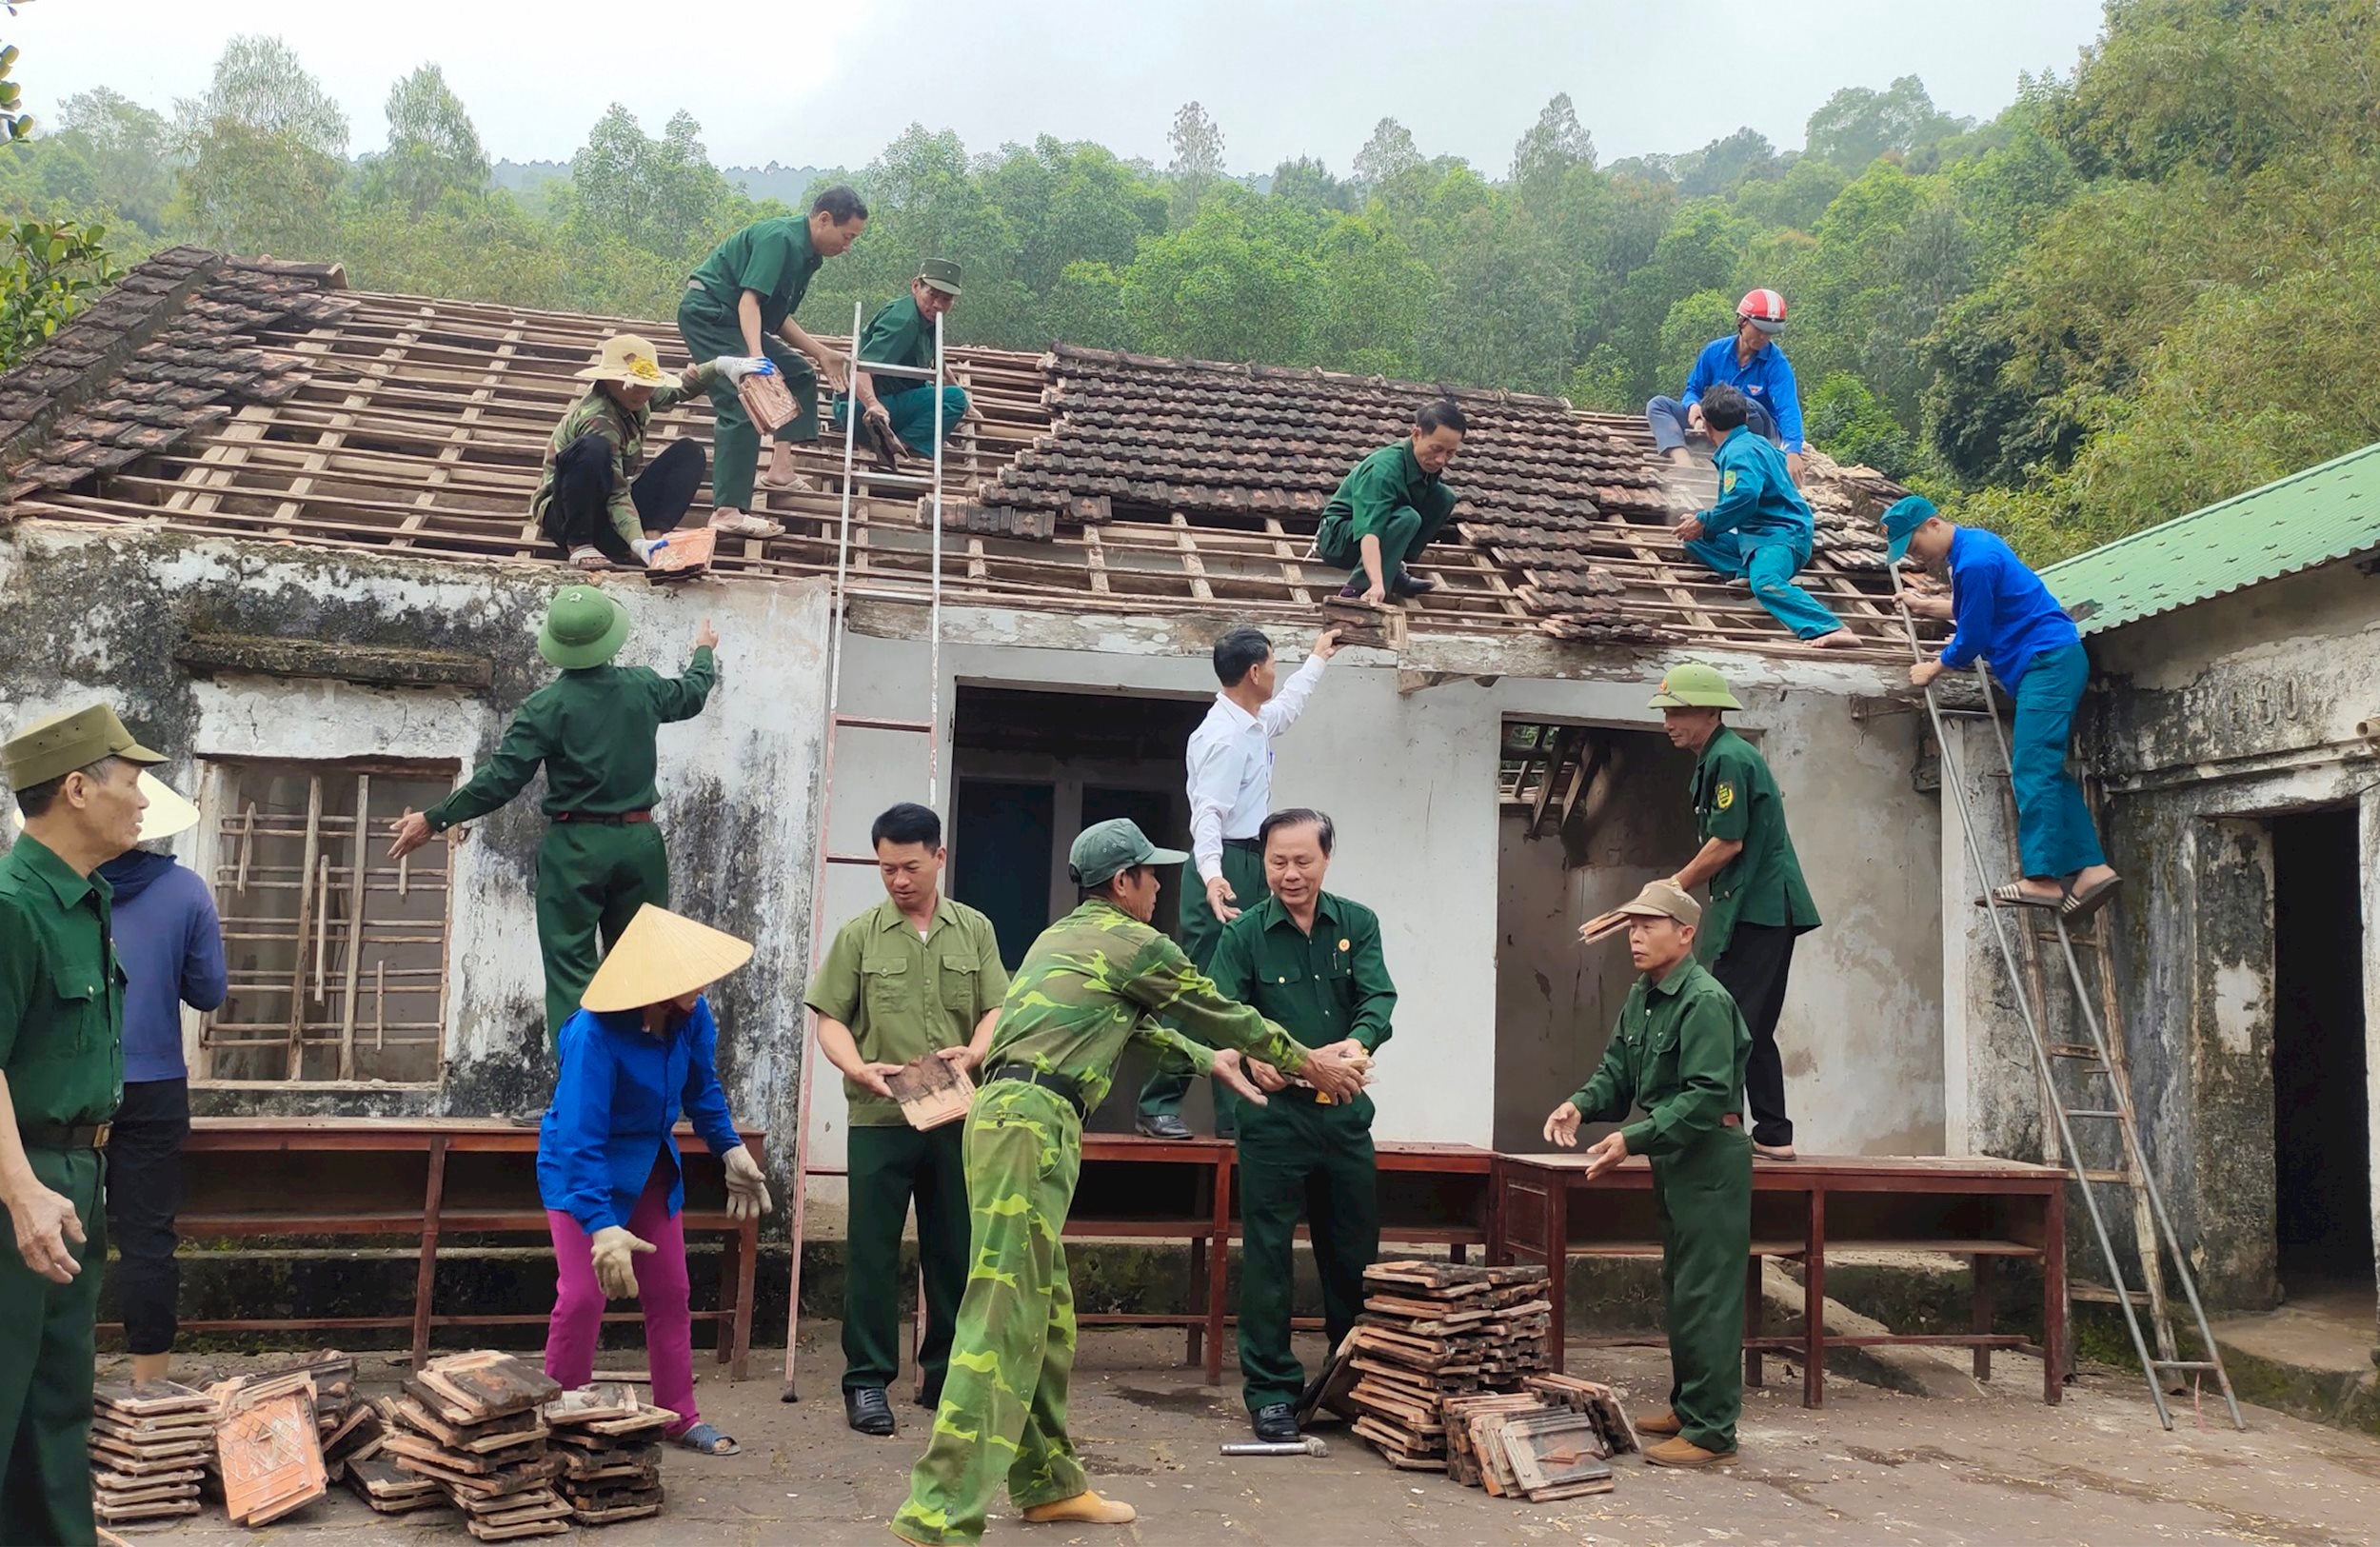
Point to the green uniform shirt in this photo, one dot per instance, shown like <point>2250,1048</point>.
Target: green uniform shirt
<point>61,991</point>
<point>898,335</point>
<point>1383,483</point>
<point>1679,1052</point>
<point>599,413</point>
<point>772,258</point>
<point>1323,988</point>
<point>1735,798</point>
<point>1098,979</point>
<point>905,995</point>
<point>593,730</point>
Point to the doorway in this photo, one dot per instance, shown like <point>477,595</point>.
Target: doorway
<point>2321,1140</point>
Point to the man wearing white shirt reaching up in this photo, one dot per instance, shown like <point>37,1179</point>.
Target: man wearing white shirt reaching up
<point>1231,793</point>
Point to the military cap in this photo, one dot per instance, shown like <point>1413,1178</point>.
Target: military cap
<point>583,627</point>
<point>54,747</point>
<point>940,274</point>
<point>1663,899</point>
<point>1694,685</point>
<point>1106,850</point>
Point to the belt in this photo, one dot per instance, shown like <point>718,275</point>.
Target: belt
<point>1056,1083</point>
<point>625,819</point>
<point>64,1135</point>
<point>1248,844</point>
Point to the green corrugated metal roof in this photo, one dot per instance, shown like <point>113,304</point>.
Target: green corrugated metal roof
<point>2328,511</point>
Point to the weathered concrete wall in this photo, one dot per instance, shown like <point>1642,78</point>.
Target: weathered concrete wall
<point>88,613</point>
<point>2203,723</point>
<point>1411,779</point>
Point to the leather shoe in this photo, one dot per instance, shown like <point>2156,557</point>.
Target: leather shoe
<point>1682,1451</point>
<point>1275,1424</point>
<point>1164,1126</point>
<point>867,1412</point>
<point>1413,585</point>
<point>1663,1423</point>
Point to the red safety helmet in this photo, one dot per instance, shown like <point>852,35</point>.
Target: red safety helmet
<point>1764,309</point>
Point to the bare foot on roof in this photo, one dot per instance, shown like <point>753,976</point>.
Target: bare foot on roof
<point>1842,639</point>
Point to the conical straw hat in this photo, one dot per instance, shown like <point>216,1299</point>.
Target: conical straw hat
<point>167,813</point>
<point>659,957</point>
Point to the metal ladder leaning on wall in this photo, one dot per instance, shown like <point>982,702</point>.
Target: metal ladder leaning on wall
<point>2102,1055</point>
<point>837,721</point>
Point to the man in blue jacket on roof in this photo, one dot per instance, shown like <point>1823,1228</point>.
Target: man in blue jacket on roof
<point>1760,529</point>
<point>1750,361</point>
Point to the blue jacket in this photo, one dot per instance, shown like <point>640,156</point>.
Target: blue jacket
<point>615,1102</point>
<point>2003,611</point>
<point>171,945</point>
<point>1756,495</point>
<point>1768,380</point>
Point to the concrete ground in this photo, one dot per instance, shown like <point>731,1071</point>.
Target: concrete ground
<point>1872,1466</point>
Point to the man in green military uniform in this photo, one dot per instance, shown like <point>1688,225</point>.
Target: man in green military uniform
<point>1391,505</point>
<point>592,728</point>
<point>1678,1053</point>
<point>1311,960</point>
<point>917,974</point>
<point>1095,980</point>
<point>77,781</point>
<point>740,301</point>
<point>1759,900</point>
<point>901,408</point>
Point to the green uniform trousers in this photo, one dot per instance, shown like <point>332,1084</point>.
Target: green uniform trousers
<point>710,330</point>
<point>1201,933</point>
<point>47,1368</point>
<point>1003,1409</point>
<point>1703,1197</point>
<point>1403,535</point>
<point>1299,1157</point>
<point>888,1166</point>
<point>591,878</point>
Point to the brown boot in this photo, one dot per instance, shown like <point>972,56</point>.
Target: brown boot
<point>1664,1424</point>
<point>1682,1451</point>
<point>1085,1508</point>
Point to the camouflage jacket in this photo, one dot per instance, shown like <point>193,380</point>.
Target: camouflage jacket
<point>599,413</point>
<point>1095,980</point>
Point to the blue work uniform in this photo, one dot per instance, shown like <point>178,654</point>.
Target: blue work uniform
<point>1761,529</point>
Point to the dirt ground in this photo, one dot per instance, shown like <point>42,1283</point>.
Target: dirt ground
<point>1872,1466</point>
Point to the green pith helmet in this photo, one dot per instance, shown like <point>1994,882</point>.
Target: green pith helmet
<point>583,627</point>
<point>1694,685</point>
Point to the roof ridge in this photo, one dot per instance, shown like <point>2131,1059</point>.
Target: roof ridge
<point>75,363</point>
<point>2206,510</point>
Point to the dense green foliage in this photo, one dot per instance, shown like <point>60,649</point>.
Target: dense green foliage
<point>2139,287</point>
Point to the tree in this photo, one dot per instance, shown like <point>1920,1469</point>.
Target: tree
<point>433,150</point>
<point>1555,143</point>
<point>266,151</point>
<point>14,124</point>
<point>1718,167</point>
<point>1843,419</point>
<point>1236,284</point>
<point>1388,153</point>
<point>1856,125</point>
<point>49,271</point>
<point>1307,182</point>
<point>658,196</point>
<point>127,148</point>
<point>1198,145</point>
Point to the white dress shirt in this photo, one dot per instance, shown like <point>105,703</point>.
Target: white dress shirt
<point>1231,767</point>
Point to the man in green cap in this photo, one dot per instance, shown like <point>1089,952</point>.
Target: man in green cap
<point>1311,960</point>
<point>1391,505</point>
<point>917,975</point>
<point>594,729</point>
<point>1678,1055</point>
<point>1759,900</point>
<point>76,777</point>
<point>740,301</point>
<point>901,408</point>
<point>1094,979</point>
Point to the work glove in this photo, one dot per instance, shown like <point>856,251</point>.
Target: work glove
<point>737,366</point>
<point>747,1193</point>
<point>614,1266</point>
<point>645,547</point>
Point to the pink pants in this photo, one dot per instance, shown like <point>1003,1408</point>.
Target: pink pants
<point>660,1290</point>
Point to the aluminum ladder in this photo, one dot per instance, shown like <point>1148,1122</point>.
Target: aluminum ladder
<point>838,721</point>
<point>2102,1055</point>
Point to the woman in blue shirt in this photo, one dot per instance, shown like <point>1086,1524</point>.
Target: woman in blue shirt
<point>642,1048</point>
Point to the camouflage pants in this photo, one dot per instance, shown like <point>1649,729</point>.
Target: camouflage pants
<point>1004,1403</point>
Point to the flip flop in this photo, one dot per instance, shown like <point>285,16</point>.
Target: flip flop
<point>707,1440</point>
<point>2083,905</point>
<point>2012,895</point>
<point>588,561</point>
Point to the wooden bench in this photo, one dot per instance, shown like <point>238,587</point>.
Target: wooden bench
<point>418,1179</point>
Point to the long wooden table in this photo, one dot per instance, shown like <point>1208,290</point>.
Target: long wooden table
<point>1548,1211</point>
<point>420,1178</point>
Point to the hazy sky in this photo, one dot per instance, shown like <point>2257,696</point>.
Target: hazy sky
<point>833,82</point>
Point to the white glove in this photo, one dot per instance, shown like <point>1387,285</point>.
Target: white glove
<point>747,1193</point>
<point>737,366</point>
<point>645,547</point>
<point>614,1266</point>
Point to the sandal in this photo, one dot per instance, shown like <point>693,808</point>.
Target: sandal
<point>2014,895</point>
<point>590,559</point>
<point>707,1440</point>
<point>737,524</point>
<point>2083,905</point>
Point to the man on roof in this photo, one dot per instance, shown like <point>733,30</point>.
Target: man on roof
<point>1391,505</point>
<point>1750,361</point>
<point>1760,529</point>
<point>898,410</point>
<point>740,301</point>
<point>591,501</point>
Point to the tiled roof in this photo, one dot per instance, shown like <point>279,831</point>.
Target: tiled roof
<point>208,394</point>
